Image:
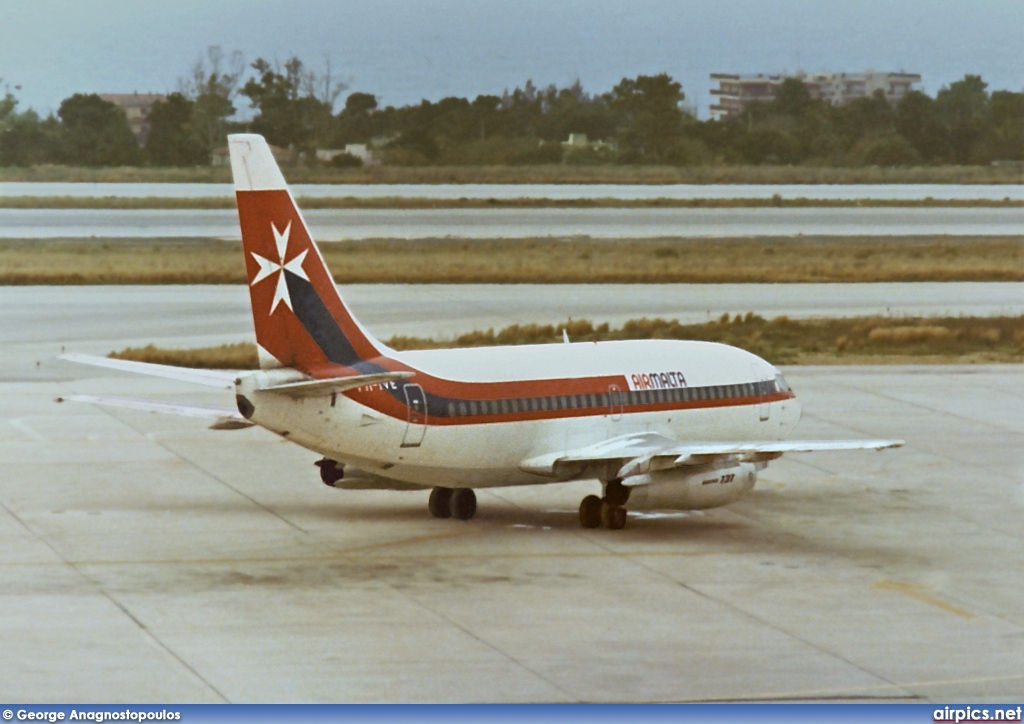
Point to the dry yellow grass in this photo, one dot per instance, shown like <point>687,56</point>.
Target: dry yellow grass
<point>240,356</point>
<point>508,261</point>
<point>868,340</point>
<point>551,174</point>
<point>404,202</point>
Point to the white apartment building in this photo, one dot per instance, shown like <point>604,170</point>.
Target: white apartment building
<point>736,91</point>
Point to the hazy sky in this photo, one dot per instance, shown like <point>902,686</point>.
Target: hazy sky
<point>406,50</point>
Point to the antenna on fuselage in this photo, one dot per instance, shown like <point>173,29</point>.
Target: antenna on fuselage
<point>565,336</point>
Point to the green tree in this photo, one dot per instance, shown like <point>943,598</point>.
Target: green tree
<point>211,87</point>
<point>289,110</point>
<point>793,99</point>
<point>25,140</point>
<point>1005,140</point>
<point>963,109</point>
<point>354,122</point>
<point>651,123</point>
<point>916,119</point>
<point>95,132</point>
<point>173,139</point>
<point>7,106</point>
<point>864,118</point>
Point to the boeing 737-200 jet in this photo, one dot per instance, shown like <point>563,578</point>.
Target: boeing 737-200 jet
<point>661,424</point>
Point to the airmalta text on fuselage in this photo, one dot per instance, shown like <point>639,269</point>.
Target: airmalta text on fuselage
<point>656,380</point>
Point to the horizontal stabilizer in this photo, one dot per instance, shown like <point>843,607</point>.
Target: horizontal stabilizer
<point>226,419</point>
<point>320,388</point>
<point>224,379</point>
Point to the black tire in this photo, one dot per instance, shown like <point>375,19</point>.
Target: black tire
<point>440,504</point>
<point>463,504</point>
<point>616,493</point>
<point>590,512</point>
<point>613,517</point>
<point>329,472</point>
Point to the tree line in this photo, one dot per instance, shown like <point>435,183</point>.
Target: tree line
<point>639,121</point>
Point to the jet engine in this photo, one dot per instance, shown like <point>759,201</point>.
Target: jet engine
<point>682,489</point>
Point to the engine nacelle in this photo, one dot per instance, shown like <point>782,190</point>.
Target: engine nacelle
<point>681,489</point>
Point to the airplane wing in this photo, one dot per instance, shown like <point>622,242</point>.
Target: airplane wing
<point>224,379</point>
<point>640,453</point>
<point>224,418</point>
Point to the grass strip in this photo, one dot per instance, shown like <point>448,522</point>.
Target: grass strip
<point>418,203</point>
<point>864,340</point>
<point>547,174</point>
<point>537,261</point>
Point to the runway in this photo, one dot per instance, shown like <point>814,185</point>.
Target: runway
<point>146,558</point>
<point>37,322</point>
<point>339,224</point>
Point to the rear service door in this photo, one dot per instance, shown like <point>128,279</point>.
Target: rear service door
<point>417,410</point>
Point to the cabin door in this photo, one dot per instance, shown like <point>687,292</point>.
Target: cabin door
<point>615,401</point>
<point>417,410</point>
<point>764,410</point>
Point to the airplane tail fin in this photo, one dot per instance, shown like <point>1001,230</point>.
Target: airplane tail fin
<point>300,319</point>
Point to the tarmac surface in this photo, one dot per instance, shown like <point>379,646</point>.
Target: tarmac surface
<point>145,558</point>
<point>340,224</point>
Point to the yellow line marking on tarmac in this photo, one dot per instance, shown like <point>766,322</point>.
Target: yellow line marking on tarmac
<point>915,591</point>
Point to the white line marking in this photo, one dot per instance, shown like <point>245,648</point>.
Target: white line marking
<point>18,424</point>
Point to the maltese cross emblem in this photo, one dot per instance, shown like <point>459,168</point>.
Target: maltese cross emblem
<point>269,267</point>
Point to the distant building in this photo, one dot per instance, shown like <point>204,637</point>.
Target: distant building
<point>137,107</point>
<point>579,142</point>
<point>735,92</point>
<point>361,151</point>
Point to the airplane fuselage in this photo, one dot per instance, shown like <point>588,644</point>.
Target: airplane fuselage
<point>471,417</point>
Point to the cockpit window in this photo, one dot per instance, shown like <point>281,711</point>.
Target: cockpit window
<point>780,383</point>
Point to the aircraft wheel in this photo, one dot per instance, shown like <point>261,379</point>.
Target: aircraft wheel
<point>440,504</point>
<point>613,517</point>
<point>616,493</point>
<point>463,503</point>
<point>329,472</point>
<point>590,512</point>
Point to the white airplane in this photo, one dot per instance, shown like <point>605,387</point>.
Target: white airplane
<point>661,424</point>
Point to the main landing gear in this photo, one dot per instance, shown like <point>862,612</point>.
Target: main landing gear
<point>606,511</point>
<point>457,503</point>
